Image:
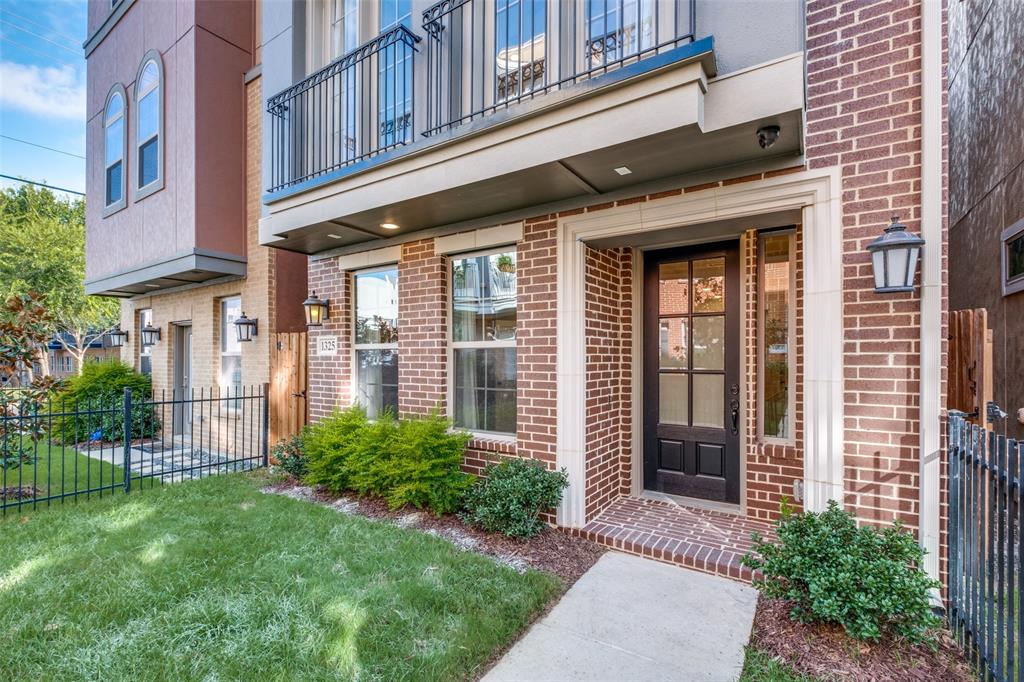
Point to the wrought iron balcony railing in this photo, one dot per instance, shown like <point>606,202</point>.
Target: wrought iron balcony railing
<point>359,105</point>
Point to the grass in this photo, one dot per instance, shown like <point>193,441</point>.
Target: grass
<point>212,579</point>
<point>761,667</point>
<point>56,469</point>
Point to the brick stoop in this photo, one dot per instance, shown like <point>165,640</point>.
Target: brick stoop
<point>701,539</point>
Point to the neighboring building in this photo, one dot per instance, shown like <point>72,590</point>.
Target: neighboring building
<point>63,362</point>
<point>626,239</point>
<point>173,187</point>
<point>986,195</point>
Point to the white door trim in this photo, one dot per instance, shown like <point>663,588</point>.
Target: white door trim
<point>817,194</point>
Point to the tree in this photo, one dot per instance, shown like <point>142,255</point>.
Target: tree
<point>42,251</point>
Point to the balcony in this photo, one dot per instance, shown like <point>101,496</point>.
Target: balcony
<point>497,107</point>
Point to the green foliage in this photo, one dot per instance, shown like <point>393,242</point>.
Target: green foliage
<point>289,456</point>
<point>413,461</point>
<point>100,386</point>
<point>511,496</point>
<point>866,579</point>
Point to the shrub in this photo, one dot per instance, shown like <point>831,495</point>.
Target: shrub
<point>100,387</point>
<point>867,580</point>
<point>407,462</point>
<point>511,496</point>
<point>289,456</point>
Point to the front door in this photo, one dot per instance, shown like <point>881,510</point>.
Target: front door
<point>691,371</point>
<point>182,392</point>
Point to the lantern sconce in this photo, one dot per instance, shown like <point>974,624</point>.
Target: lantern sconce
<point>150,334</point>
<point>894,256</point>
<point>117,338</point>
<point>245,328</point>
<point>316,310</point>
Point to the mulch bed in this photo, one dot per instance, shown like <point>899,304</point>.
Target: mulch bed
<point>19,492</point>
<point>827,653</point>
<point>551,551</point>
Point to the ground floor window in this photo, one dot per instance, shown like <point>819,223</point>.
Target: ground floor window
<point>484,342</point>
<point>376,340</point>
<point>777,321</point>
<point>230,348</point>
<point>145,352</point>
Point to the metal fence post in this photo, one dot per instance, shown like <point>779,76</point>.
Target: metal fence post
<point>266,424</point>
<point>127,444</point>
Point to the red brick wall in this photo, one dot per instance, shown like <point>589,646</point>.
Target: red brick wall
<point>863,115</point>
<point>422,329</point>
<point>609,342</point>
<point>329,378</point>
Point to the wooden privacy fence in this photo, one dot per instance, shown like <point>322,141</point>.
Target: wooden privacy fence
<point>970,363</point>
<point>287,395</point>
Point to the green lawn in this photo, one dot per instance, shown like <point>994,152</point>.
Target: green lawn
<point>212,579</point>
<point>760,667</point>
<point>58,469</point>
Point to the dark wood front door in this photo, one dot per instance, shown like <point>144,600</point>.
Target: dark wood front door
<point>691,371</point>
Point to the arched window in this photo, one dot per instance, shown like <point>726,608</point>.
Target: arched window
<point>149,127</point>
<point>113,149</point>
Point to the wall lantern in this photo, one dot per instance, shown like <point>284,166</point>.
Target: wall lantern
<point>150,334</point>
<point>117,338</point>
<point>316,310</point>
<point>894,258</point>
<point>245,328</point>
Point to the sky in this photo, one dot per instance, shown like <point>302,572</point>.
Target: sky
<point>42,91</point>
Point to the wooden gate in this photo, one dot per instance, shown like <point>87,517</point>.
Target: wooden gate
<point>287,385</point>
<point>970,363</point>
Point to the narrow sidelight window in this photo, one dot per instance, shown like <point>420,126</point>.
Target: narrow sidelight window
<point>376,341</point>
<point>777,335</point>
<point>113,149</point>
<point>145,352</point>
<point>484,342</point>
<point>149,126</point>
<point>230,348</point>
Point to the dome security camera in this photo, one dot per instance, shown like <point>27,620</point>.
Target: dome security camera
<point>767,135</point>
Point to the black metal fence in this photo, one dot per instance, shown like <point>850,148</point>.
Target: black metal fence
<point>58,450</point>
<point>986,547</point>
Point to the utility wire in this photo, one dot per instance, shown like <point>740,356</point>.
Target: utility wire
<point>42,146</point>
<point>11,41</point>
<point>41,184</point>
<point>73,39</point>
<point>43,38</point>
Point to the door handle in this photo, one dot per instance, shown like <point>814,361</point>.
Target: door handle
<point>735,406</point>
<point>301,394</point>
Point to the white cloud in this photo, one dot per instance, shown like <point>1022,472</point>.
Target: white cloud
<point>43,91</point>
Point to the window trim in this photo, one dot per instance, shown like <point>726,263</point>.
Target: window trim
<point>452,345</point>
<point>356,347</point>
<point>143,349</point>
<point>110,209</point>
<point>790,438</point>
<point>140,193</point>
<point>221,353</point>
<point>1012,233</point>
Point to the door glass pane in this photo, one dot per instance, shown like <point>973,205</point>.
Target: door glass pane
<point>673,399</point>
<point>709,285</point>
<point>709,400</point>
<point>673,288</point>
<point>709,342</point>
<point>673,342</point>
<point>776,305</point>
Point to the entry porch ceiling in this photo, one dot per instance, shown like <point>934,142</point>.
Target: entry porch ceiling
<point>585,177</point>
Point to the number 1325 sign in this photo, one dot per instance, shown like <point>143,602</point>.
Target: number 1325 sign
<point>327,345</point>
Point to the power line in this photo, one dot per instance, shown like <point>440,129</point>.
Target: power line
<point>11,41</point>
<point>52,30</point>
<point>41,184</point>
<point>41,146</point>
<point>41,37</point>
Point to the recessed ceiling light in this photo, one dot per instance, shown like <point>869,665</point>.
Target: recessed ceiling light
<point>622,170</point>
<point>389,226</point>
<point>334,236</point>
<point>153,286</point>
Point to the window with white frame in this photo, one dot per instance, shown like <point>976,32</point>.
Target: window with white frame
<point>113,149</point>
<point>145,352</point>
<point>617,29</point>
<point>484,342</point>
<point>230,348</point>
<point>777,327</point>
<point>149,125</point>
<point>375,354</point>
<point>334,31</point>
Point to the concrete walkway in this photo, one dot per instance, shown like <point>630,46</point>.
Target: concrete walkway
<point>630,619</point>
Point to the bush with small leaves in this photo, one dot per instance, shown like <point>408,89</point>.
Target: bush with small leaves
<point>511,496</point>
<point>289,456</point>
<point>866,579</point>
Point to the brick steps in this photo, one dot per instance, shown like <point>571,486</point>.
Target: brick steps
<point>699,539</point>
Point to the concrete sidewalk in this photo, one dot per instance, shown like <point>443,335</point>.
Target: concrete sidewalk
<point>630,618</point>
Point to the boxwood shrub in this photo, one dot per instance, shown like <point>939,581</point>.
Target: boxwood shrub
<point>866,579</point>
<point>511,495</point>
<point>100,389</point>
